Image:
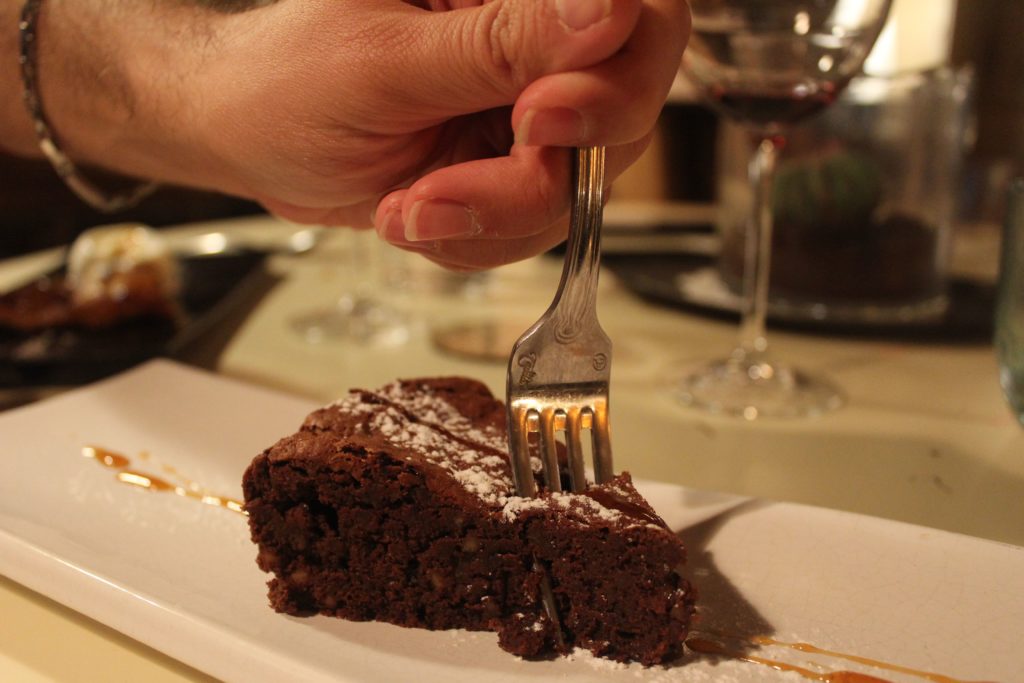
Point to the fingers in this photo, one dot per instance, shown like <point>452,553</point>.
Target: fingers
<point>616,101</point>
<point>489,212</point>
<point>477,58</point>
<point>578,72</point>
<point>474,255</point>
<point>501,197</point>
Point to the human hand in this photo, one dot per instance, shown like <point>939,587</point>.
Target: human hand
<point>348,110</point>
<point>392,113</point>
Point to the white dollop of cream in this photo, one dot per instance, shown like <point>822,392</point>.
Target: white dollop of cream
<point>103,252</point>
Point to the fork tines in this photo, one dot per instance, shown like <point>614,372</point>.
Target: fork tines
<point>570,418</point>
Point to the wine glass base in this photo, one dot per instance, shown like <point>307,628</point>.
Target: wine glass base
<point>756,388</point>
<point>360,320</point>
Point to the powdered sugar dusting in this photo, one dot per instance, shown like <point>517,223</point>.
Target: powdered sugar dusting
<point>477,457</point>
<point>515,506</point>
<point>429,407</point>
<point>480,472</point>
<point>583,509</point>
<point>353,404</point>
<point>600,663</point>
<point>727,671</point>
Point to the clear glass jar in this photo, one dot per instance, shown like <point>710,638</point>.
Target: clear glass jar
<point>864,201</point>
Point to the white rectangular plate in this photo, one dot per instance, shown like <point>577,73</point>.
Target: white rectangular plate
<point>180,575</point>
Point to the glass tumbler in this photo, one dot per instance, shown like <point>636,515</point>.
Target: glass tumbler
<point>1009,322</point>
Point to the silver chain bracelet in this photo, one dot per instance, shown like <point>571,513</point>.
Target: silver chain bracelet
<point>67,171</point>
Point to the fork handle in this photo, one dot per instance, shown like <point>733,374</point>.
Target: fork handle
<point>577,291</point>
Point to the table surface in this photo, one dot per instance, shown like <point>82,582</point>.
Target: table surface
<point>925,436</point>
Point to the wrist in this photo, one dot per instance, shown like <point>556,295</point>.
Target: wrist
<point>18,135</point>
<point>114,83</point>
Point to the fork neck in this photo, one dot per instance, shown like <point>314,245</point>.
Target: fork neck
<point>583,251</point>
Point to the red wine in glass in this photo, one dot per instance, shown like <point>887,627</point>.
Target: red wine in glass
<point>763,108</point>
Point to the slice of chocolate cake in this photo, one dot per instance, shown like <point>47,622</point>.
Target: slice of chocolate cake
<point>398,506</point>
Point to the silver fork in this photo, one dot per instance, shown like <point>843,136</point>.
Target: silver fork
<point>559,369</point>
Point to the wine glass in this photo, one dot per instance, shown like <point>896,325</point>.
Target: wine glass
<point>767,64</point>
<point>360,314</point>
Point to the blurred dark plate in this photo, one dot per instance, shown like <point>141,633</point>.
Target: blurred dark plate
<point>689,282</point>
<point>214,287</point>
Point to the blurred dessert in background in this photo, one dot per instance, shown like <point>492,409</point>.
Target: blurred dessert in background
<point>112,274</point>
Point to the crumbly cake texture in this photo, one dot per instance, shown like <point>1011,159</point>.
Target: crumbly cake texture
<point>398,505</point>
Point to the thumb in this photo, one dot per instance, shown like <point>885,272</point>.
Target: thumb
<point>482,57</point>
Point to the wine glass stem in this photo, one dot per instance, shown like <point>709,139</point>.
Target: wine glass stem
<point>758,248</point>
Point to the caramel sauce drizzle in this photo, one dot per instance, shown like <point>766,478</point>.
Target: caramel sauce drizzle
<point>710,647</point>
<point>707,646</point>
<point>105,457</point>
<point>150,482</point>
<point>814,649</point>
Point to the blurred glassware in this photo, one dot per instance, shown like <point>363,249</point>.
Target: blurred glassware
<point>478,335</point>
<point>767,65</point>
<point>362,313</point>
<point>1009,320</point>
<point>480,340</point>
<point>864,202</point>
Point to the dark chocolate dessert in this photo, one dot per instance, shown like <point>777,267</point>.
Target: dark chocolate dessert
<point>398,505</point>
<point>49,302</point>
<point>112,274</point>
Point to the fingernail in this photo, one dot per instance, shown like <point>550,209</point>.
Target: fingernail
<point>556,126</point>
<point>436,219</point>
<point>577,15</point>
<point>391,228</point>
